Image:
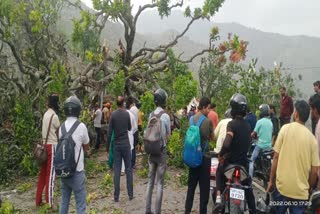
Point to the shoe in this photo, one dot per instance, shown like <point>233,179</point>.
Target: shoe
<point>130,198</point>
<point>116,200</point>
<point>122,173</point>
<point>218,207</point>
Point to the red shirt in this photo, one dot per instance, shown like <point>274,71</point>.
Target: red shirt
<point>214,118</point>
<point>286,107</point>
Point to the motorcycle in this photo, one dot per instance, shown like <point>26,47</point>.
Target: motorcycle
<point>233,197</point>
<point>262,165</point>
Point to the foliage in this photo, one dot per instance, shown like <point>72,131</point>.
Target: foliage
<point>258,85</point>
<point>7,208</point>
<point>91,197</point>
<point>175,149</point>
<point>147,105</point>
<point>106,184</point>
<point>24,187</point>
<point>183,178</point>
<point>117,86</point>
<point>93,168</point>
<point>44,209</point>
<point>143,173</point>
<point>185,89</point>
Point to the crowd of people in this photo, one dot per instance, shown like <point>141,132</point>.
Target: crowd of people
<point>294,172</point>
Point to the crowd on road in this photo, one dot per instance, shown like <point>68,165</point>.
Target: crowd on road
<point>293,175</point>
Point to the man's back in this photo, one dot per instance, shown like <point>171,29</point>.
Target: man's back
<point>252,120</point>
<point>298,151</point>
<point>97,118</point>
<point>120,123</point>
<point>264,129</point>
<point>213,116</point>
<point>240,142</point>
<point>206,130</point>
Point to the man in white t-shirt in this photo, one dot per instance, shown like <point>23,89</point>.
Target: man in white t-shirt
<point>130,104</point>
<point>97,125</point>
<point>76,183</point>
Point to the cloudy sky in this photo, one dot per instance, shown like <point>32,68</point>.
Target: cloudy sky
<point>289,17</point>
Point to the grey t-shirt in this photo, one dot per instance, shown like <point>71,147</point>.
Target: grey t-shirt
<point>120,124</point>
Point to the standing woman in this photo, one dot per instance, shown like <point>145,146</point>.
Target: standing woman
<point>50,126</point>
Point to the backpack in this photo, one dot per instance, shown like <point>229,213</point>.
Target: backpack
<point>153,142</point>
<point>64,160</point>
<point>192,151</point>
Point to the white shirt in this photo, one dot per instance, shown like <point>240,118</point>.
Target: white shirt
<point>130,133</point>
<point>135,111</point>
<point>97,118</point>
<point>80,136</point>
<point>220,132</point>
<point>55,124</point>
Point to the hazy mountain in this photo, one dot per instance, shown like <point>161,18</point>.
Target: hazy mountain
<point>294,51</point>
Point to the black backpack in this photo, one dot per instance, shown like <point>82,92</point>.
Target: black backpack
<point>64,160</point>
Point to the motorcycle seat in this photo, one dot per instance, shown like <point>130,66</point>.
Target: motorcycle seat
<point>267,152</point>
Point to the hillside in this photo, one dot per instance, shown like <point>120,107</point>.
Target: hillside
<point>294,51</point>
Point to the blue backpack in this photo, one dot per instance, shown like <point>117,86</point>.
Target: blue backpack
<point>192,152</point>
<point>64,160</point>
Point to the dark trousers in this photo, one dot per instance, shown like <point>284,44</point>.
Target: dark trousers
<point>283,202</point>
<point>199,175</point>
<point>284,121</point>
<point>314,122</point>
<point>122,151</point>
<point>221,181</point>
<point>135,143</point>
<point>98,139</point>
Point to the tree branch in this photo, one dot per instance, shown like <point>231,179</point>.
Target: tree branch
<point>194,56</point>
<point>141,9</point>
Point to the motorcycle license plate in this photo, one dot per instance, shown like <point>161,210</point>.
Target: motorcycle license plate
<point>237,194</point>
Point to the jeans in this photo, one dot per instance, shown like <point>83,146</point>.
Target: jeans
<point>77,184</point>
<point>122,151</point>
<point>98,142</point>
<point>254,156</point>
<point>298,206</point>
<point>135,143</point>
<point>157,168</point>
<point>199,175</point>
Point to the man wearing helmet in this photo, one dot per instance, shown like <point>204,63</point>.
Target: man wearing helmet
<point>158,163</point>
<point>235,148</point>
<point>76,183</point>
<point>263,131</point>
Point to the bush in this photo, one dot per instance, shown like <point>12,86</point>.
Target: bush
<point>143,173</point>
<point>7,208</point>
<point>175,149</point>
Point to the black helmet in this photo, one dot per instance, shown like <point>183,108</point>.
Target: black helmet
<point>238,104</point>
<point>160,97</point>
<point>227,114</point>
<point>264,110</point>
<point>72,107</point>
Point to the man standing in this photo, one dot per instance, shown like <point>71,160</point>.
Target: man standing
<point>201,174</point>
<point>295,163</point>
<point>97,124</point>
<point>135,111</point>
<point>77,182</point>
<point>106,118</point>
<point>275,123</point>
<point>286,107</point>
<point>158,163</point>
<point>314,121</point>
<point>314,102</point>
<point>120,124</point>
<point>213,116</point>
<point>50,125</point>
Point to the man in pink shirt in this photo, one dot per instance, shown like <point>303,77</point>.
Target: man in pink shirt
<point>213,116</point>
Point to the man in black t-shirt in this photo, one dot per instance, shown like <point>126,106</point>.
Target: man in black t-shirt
<point>235,148</point>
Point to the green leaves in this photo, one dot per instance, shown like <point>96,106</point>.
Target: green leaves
<point>185,89</point>
<point>117,86</point>
<point>210,7</point>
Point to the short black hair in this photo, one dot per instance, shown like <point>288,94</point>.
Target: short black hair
<point>130,101</point>
<point>283,88</point>
<point>204,103</point>
<point>273,108</point>
<point>317,83</point>
<point>314,102</point>
<point>303,109</point>
<point>212,105</point>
